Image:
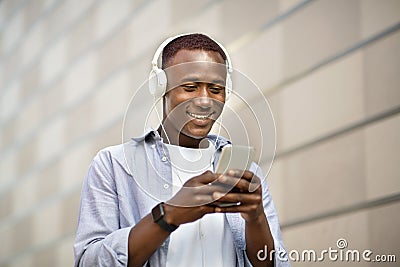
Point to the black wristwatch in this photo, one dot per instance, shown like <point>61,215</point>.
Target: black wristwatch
<point>158,217</point>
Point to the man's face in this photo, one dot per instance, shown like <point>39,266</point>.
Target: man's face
<point>195,92</point>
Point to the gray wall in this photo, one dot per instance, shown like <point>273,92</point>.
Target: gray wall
<point>330,69</point>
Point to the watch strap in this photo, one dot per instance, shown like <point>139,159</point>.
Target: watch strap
<point>166,226</point>
<point>158,217</point>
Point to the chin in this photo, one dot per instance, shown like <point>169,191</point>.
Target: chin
<point>197,133</point>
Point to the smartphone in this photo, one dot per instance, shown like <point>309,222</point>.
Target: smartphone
<point>234,157</point>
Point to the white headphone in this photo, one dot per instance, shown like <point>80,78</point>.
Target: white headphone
<point>158,78</point>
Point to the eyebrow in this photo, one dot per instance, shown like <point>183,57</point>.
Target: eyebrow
<point>195,79</point>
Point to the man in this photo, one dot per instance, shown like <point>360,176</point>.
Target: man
<point>122,223</point>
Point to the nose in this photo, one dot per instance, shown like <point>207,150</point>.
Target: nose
<point>203,99</point>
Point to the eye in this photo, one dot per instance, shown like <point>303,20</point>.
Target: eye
<point>189,87</point>
<point>216,89</point>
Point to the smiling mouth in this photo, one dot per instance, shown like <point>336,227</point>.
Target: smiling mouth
<point>200,116</point>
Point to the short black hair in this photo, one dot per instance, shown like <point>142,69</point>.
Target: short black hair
<point>190,42</point>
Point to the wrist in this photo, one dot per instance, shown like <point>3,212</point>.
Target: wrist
<point>257,221</point>
<point>159,217</point>
<point>169,214</point>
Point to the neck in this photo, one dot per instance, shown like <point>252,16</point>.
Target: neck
<point>173,137</point>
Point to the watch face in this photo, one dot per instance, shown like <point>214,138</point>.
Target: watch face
<point>157,212</point>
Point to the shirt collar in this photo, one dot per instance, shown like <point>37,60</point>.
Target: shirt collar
<point>151,134</point>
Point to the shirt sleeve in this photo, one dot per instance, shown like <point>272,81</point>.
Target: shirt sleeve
<point>99,240</point>
<point>280,256</point>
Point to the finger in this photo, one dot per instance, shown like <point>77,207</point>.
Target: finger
<point>248,199</point>
<point>245,174</point>
<point>207,209</point>
<point>212,187</point>
<point>231,209</point>
<point>248,175</point>
<point>187,197</point>
<point>255,182</point>
<point>206,177</point>
<point>229,180</point>
<point>242,184</point>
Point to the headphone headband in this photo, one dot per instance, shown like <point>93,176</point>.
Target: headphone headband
<point>159,50</point>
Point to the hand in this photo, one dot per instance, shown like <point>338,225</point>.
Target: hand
<point>248,192</point>
<point>190,203</point>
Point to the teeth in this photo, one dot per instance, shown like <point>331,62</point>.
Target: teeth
<point>200,117</point>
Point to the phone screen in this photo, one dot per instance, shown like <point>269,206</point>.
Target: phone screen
<point>235,157</point>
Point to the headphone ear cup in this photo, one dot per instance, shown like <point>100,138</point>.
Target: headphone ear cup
<point>228,86</point>
<point>157,83</point>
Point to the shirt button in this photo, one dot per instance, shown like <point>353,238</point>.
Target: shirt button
<point>164,158</point>
<point>166,186</point>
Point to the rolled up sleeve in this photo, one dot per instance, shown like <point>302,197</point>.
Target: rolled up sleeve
<point>280,256</point>
<point>99,240</point>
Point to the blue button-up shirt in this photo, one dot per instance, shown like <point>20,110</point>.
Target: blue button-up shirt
<point>123,184</point>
